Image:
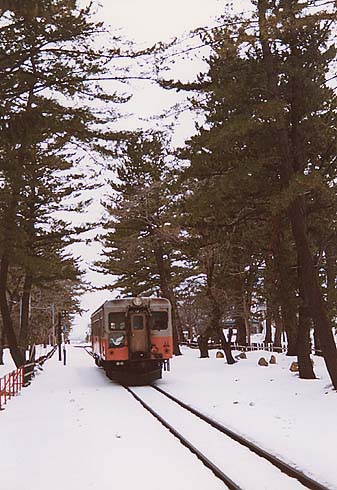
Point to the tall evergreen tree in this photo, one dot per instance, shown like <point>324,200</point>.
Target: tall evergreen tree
<point>303,62</point>
<point>47,57</point>
<point>268,145</point>
<point>141,230</point>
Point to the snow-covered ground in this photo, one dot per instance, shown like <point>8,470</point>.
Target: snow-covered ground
<point>74,429</point>
<point>9,365</point>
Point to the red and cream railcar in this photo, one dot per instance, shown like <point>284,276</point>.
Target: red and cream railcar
<point>132,338</point>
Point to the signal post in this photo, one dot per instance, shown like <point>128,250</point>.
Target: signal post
<point>61,316</point>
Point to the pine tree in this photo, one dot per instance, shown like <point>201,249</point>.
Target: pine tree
<point>303,92</point>
<point>47,59</point>
<point>141,230</point>
<point>267,147</point>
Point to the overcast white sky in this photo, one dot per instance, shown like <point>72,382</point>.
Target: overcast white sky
<point>147,22</point>
<point>159,20</point>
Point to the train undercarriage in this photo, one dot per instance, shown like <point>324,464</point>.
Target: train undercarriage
<point>134,373</point>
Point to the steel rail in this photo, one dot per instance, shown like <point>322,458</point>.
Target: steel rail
<point>207,462</point>
<point>281,465</point>
<point>289,470</point>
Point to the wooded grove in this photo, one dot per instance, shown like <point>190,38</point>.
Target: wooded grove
<point>237,227</point>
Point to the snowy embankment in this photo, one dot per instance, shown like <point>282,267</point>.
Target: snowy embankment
<point>9,365</point>
<point>294,419</point>
<point>81,431</point>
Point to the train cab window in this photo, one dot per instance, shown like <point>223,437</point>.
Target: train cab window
<point>137,322</point>
<point>159,320</point>
<point>116,321</point>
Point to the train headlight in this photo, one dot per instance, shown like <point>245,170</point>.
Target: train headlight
<point>137,302</point>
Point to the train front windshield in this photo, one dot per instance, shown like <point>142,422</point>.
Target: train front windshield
<point>159,320</point>
<point>137,322</point>
<point>116,321</point>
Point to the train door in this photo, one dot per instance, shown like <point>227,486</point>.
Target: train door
<point>139,341</point>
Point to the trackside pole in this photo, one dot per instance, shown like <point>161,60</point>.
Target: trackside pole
<point>59,335</point>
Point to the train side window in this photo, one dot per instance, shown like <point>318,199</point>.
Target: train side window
<point>95,328</point>
<point>159,320</point>
<point>137,322</point>
<point>116,321</point>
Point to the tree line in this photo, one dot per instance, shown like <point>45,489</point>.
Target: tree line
<point>48,123</point>
<point>245,211</point>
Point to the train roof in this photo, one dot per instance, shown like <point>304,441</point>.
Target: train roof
<point>126,301</point>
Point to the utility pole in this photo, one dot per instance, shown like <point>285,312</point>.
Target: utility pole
<point>59,334</point>
<point>53,323</point>
<point>64,355</point>
<point>61,316</point>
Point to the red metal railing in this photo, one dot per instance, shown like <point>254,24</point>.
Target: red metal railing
<point>10,385</point>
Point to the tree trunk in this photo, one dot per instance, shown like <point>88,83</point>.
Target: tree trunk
<point>305,366</point>
<point>176,346</point>
<point>32,353</point>
<point>286,285</point>
<point>227,345</point>
<point>8,240</point>
<point>6,318</point>
<point>313,292</point>
<point>216,313</point>
<point>166,291</point>
<point>246,311</point>
<point>203,345</point>
<point>278,330</point>
<point>268,336</point>
<point>317,345</point>
<point>289,319</point>
<point>1,348</point>
<point>273,302</point>
<point>241,336</point>
<point>291,328</point>
<point>24,323</point>
<point>2,345</point>
<point>307,272</point>
<point>331,274</point>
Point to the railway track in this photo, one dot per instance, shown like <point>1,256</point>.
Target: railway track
<point>293,479</point>
<point>227,454</point>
